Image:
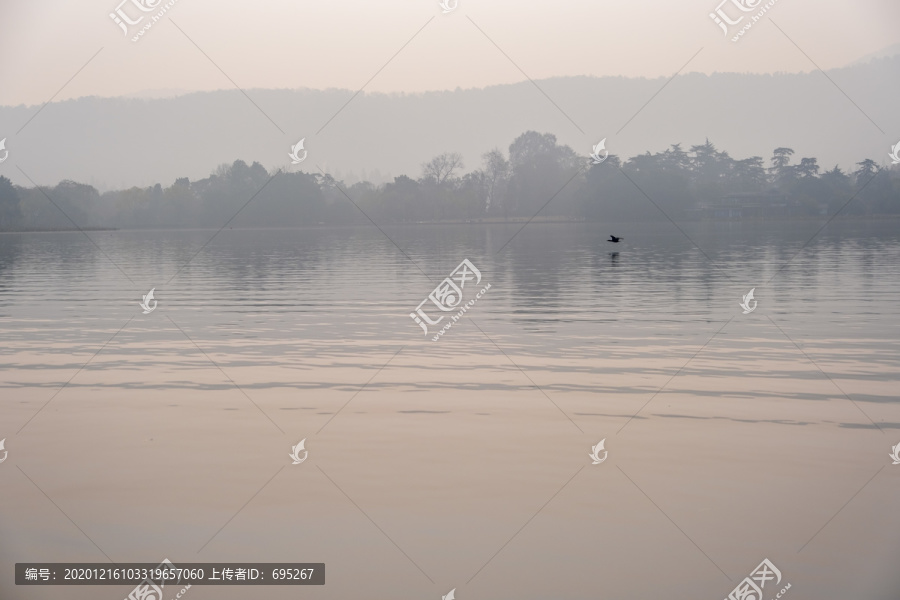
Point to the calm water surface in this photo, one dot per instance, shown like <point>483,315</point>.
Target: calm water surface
<point>747,432</point>
<point>556,288</point>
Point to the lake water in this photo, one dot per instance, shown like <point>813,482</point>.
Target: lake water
<point>461,463</point>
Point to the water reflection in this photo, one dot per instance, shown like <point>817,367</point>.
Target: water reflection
<point>336,299</point>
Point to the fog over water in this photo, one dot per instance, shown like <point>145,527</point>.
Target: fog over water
<point>451,299</point>
<point>300,319</point>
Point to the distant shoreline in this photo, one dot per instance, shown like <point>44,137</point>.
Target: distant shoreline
<point>520,220</point>
<point>482,221</point>
<point>59,230</point>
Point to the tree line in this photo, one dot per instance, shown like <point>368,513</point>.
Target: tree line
<point>536,176</point>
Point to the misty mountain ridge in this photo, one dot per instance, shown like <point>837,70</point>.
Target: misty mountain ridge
<point>116,143</point>
<point>886,52</point>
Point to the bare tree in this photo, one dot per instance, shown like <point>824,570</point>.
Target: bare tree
<point>441,167</point>
<point>496,173</point>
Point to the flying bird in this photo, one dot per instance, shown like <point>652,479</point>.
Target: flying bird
<point>614,239</point>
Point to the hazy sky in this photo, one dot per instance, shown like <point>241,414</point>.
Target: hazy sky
<point>327,43</point>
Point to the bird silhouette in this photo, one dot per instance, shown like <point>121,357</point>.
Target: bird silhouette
<point>614,239</point>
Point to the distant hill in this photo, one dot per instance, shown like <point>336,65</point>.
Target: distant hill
<point>889,52</point>
<point>120,142</point>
